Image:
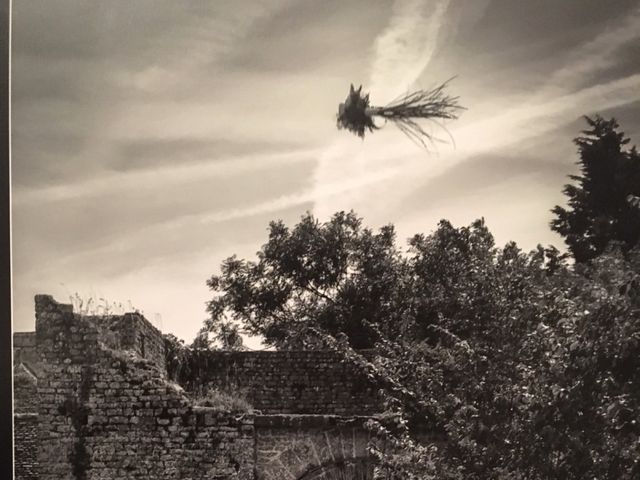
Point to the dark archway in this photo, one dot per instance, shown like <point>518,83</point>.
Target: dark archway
<point>351,469</point>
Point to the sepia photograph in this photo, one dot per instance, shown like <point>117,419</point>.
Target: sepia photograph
<point>325,240</point>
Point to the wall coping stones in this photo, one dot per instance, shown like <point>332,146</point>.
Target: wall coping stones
<point>287,420</point>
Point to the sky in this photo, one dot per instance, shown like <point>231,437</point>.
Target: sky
<point>153,139</point>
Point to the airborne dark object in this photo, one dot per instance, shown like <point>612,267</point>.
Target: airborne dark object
<point>357,115</point>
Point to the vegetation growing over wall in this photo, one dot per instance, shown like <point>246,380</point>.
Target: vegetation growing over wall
<point>298,382</point>
<point>233,401</point>
<point>526,364</point>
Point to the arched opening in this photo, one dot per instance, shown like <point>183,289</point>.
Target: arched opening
<point>352,469</point>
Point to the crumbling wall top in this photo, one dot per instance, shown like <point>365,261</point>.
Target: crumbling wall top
<point>60,331</point>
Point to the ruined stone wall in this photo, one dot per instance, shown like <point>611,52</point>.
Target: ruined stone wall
<point>25,405</point>
<point>107,414</point>
<point>298,382</point>
<point>107,410</point>
<point>130,331</point>
<point>25,446</point>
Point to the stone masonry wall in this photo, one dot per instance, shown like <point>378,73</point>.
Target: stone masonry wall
<point>107,410</point>
<point>133,332</point>
<point>298,382</point>
<point>25,446</point>
<point>25,405</point>
<point>110,414</point>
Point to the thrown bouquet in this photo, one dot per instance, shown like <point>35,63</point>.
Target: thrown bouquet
<point>357,115</point>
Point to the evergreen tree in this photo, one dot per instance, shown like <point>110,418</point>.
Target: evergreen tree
<point>598,208</point>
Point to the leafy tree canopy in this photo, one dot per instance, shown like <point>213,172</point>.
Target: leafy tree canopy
<point>345,278</point>
<point>600,202</point>
<point>525,366</point>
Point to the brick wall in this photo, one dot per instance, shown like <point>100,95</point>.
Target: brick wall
<point>107,410</point>
<point>130,331</point>
<point>111,414</point>
<point>299,382</point>
<point>25,405</point>
<point>25,442</point>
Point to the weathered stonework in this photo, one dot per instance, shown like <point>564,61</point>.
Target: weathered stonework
<point>106,414</point>
<point>296,382</point>
<point>131,332</point>
<point>106,409</point>
<point>25,428</point>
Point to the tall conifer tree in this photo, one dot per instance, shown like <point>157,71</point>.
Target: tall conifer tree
<point>599,210</point>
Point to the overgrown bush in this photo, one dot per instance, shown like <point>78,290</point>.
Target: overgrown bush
<point>233,401</point>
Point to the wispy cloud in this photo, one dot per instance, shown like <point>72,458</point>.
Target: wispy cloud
<point>88,75</point>
<point>135,240</point>
<point>595,55</point>
<point>113,183</point>
<point>530,120</point>
<point>403,50</point>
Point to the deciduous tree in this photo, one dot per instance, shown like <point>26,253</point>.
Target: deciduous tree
<point>516,364</point>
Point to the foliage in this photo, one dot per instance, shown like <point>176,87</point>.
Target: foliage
<point>524,366</point>
<point>583,410</point>
<point>225,401</point>
<point>91,306</point>
<point>338,275</point>
<point>352,114</point>
<point>334,275</point>
<point>599,207</point>
<point>223,335</point>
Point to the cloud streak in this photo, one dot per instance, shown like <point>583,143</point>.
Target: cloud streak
<point>599,53</point>
<point>532,120</point>
<point>136,239</point>
<point>513,127</point>
<point>403,50</point>
<point>114,183</point>
<point>593,56</point>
